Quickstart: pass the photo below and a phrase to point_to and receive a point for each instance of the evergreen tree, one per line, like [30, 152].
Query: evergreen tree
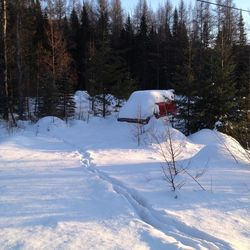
[221, 91]
[175, 47]
[153, 60]
[116, 14]
[166, 58]
[47, 53]
[202, 54]
[128, 45]
[239, 127]
[142, 44]
[74, 45]
[183, 75]
[107, 72]
[84, 42]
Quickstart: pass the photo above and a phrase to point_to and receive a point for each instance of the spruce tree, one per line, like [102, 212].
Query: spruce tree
[142, 44]
[166, 56]
[153, 60]
[183, 74]
[239, 127]
[107, 71]
[221, 100]
[74, 45]
[127, 44]
[84, 43]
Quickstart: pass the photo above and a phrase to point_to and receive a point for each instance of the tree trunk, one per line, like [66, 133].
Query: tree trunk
[19, 63]
[6, 112]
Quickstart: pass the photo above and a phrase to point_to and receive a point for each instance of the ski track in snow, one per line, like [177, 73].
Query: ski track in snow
[188, 236]
[48, 201]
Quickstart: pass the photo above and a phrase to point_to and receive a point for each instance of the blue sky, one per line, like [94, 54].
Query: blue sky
[130, 4]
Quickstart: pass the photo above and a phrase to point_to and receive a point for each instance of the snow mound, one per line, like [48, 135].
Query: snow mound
[162, 128]
[141, 104]
[208, 137]
[47, 123]
[219, 146]
[213, 154]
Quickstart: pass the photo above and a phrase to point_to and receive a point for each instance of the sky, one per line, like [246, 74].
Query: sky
[129, 5]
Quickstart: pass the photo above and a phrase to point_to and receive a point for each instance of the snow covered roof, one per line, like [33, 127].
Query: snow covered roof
[141, 104]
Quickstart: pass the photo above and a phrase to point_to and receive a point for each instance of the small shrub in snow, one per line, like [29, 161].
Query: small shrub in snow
[138, 129]
[170, 150]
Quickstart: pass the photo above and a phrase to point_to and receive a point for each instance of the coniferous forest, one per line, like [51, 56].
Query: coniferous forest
[49, 49]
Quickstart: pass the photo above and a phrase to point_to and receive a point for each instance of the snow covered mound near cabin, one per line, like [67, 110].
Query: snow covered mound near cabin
[219, 147]
[163, 129]
[159, 132]
[141, 104]
[47, 123]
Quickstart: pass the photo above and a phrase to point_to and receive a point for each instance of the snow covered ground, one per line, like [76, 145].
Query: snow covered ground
[87, 185]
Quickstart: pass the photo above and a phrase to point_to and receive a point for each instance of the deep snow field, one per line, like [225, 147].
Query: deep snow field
[88, 185]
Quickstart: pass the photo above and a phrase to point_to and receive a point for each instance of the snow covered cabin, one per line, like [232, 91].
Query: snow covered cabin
[144, 104]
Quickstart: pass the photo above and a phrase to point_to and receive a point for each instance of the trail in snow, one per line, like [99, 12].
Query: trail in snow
[114, 205]
[170, 226]
[188, 236]
[48, 201]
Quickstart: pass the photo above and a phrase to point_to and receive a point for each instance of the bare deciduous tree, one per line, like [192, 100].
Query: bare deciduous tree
[170, 150]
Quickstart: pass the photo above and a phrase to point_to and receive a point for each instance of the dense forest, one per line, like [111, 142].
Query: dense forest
[49, 49]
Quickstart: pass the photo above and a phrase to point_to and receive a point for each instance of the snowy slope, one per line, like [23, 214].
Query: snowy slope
[50, 201]
[89, 186]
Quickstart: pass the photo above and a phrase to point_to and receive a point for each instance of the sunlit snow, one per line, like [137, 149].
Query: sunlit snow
[88, 185]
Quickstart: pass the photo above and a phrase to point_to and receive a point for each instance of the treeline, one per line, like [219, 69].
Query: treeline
[49, 51]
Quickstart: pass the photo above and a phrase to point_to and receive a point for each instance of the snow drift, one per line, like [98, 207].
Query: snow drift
[219, 147]
[47, 123]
